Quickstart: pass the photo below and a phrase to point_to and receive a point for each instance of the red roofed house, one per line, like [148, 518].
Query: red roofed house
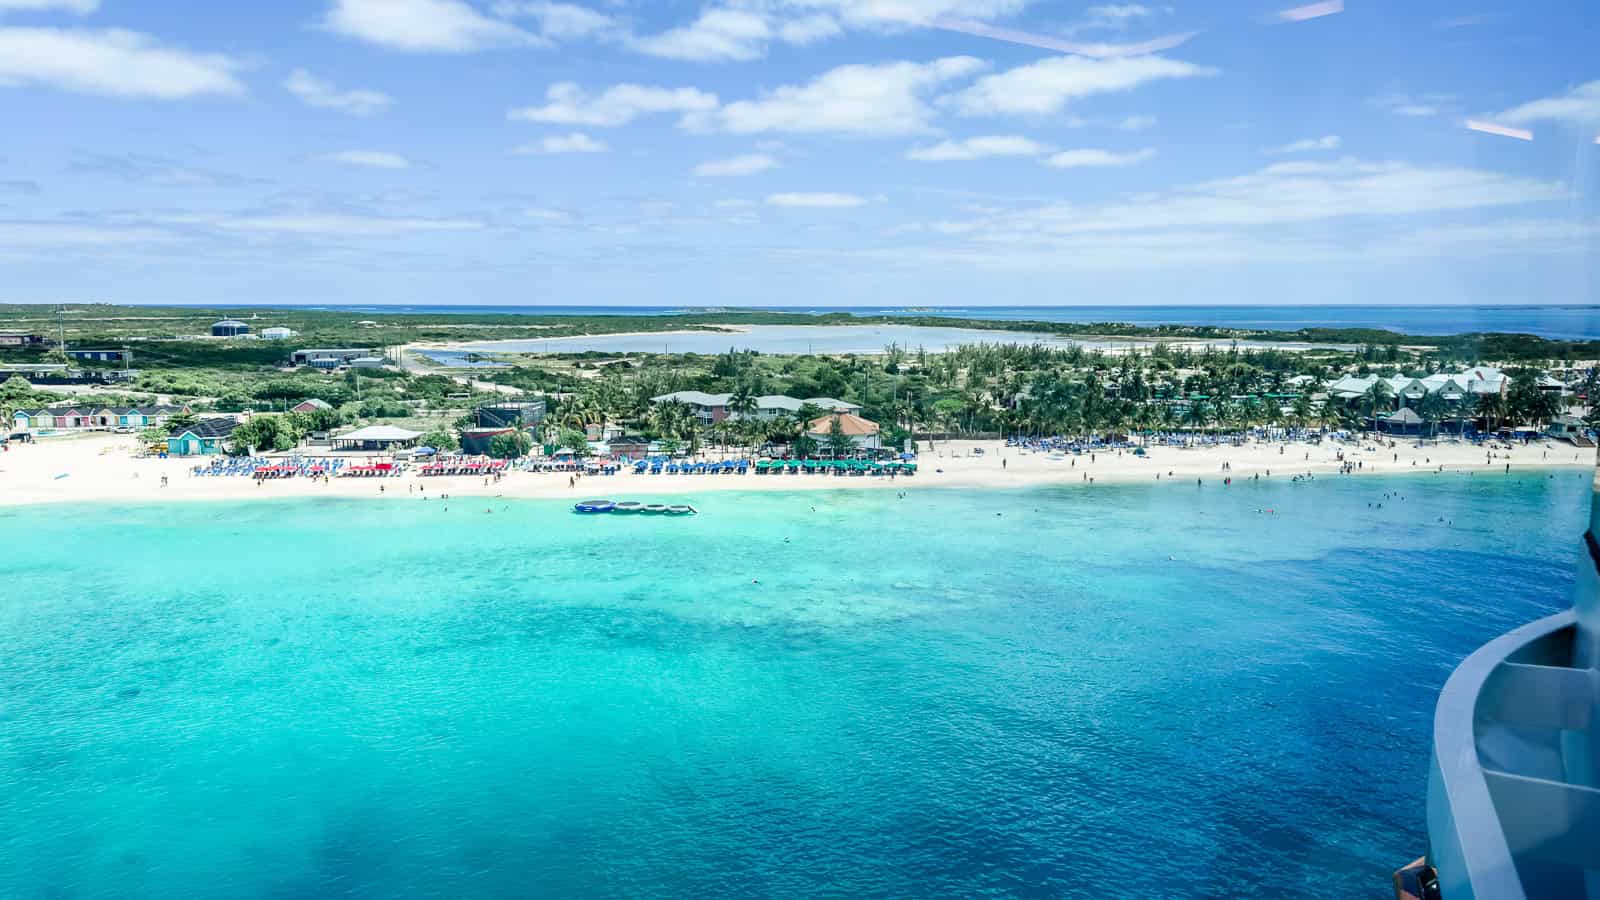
[862, 432]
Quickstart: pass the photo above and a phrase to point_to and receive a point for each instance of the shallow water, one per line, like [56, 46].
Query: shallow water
[1151, 685]
[1559, 321]
[810, 339]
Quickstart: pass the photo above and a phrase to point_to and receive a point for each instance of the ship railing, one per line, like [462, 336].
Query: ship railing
[1513, 813]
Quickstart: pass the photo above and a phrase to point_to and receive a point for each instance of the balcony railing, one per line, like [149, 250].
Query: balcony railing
[1514, 790]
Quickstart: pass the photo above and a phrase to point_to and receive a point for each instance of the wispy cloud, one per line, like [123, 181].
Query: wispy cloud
[1579, 106]
[749, 164]
[157, 170]
[81, 7]
[314, 91]
[861, 100]
[25, 233]
[112, 63]
[1308, 145]
[545, 214]
[1284, 193]
[1046, 87]
[560, 21]
[576, 142]
[19, 187]
[978, 148]
[816, 200]
[1311, 11]
[569, 104]
[719, 34]
[1415, 106]
[371, 159]
[424, 26]
[1092, 158]
[309, 222]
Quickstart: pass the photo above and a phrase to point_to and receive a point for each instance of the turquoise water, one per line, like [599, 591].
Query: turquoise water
[1101, 687]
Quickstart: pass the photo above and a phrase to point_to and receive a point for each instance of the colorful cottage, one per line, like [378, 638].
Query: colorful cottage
[207, 437]
[81, 418]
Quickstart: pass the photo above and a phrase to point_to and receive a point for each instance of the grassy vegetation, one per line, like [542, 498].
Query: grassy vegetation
[981, 388]
[110, 325]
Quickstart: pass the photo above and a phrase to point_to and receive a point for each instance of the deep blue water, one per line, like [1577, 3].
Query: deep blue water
[1552, 321]
[1140, 690]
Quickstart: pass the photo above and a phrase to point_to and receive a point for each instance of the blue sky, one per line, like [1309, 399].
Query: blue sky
[798, 152]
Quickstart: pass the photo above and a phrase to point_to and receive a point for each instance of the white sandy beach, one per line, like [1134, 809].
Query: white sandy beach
[100, 468]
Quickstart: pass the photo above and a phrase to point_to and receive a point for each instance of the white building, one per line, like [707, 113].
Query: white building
[278, 334]
[712, 408]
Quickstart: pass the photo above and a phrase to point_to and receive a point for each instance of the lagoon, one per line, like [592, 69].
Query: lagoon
[1053, 692]
[812, 339]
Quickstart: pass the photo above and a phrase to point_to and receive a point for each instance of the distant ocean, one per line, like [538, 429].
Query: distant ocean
[1550, 321]
[1154, 690]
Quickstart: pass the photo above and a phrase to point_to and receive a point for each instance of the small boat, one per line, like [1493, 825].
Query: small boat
[628, 506]
[655, 509]
[682, 509]
[591, 507]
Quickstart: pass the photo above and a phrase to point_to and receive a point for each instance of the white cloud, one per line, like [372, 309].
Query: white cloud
[1284, 193]
[816, 201]
[1579, 106]
[14, 234]
[809, 29]
[439, 26]
[734, 203]
[1421, 106]
[576, 142]
[978, 148]
[113, 63]
[372, 159]
[749, 164]
[347, 225]
[719, 34]
[880, 13]
[560, 21]
[1045, 87]
[1090, 158]
[863, 100]
[1308, 145]
[569, 104]
[312, 223]
[1137, 123]
[81, 7]
[316, 92]
[547, 215]
[740, 30]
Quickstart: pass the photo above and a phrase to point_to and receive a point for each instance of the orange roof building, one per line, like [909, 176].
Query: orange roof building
[863, 431]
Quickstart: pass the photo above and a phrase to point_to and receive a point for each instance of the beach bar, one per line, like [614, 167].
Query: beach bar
[376, 438]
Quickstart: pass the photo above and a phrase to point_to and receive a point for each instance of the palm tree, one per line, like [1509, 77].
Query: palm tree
[743, 402]
[1301, 411]
[1492, 408]
[1376, 400]
[1432, 409]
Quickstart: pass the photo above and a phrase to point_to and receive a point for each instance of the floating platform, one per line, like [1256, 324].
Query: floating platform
[629, 507]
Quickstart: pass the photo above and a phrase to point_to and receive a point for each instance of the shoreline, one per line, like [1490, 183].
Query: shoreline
[101, 469]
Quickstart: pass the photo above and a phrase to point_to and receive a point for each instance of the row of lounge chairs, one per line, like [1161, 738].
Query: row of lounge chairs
[463, 465]
[833, 467]
[253, 467]
[661, 466]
